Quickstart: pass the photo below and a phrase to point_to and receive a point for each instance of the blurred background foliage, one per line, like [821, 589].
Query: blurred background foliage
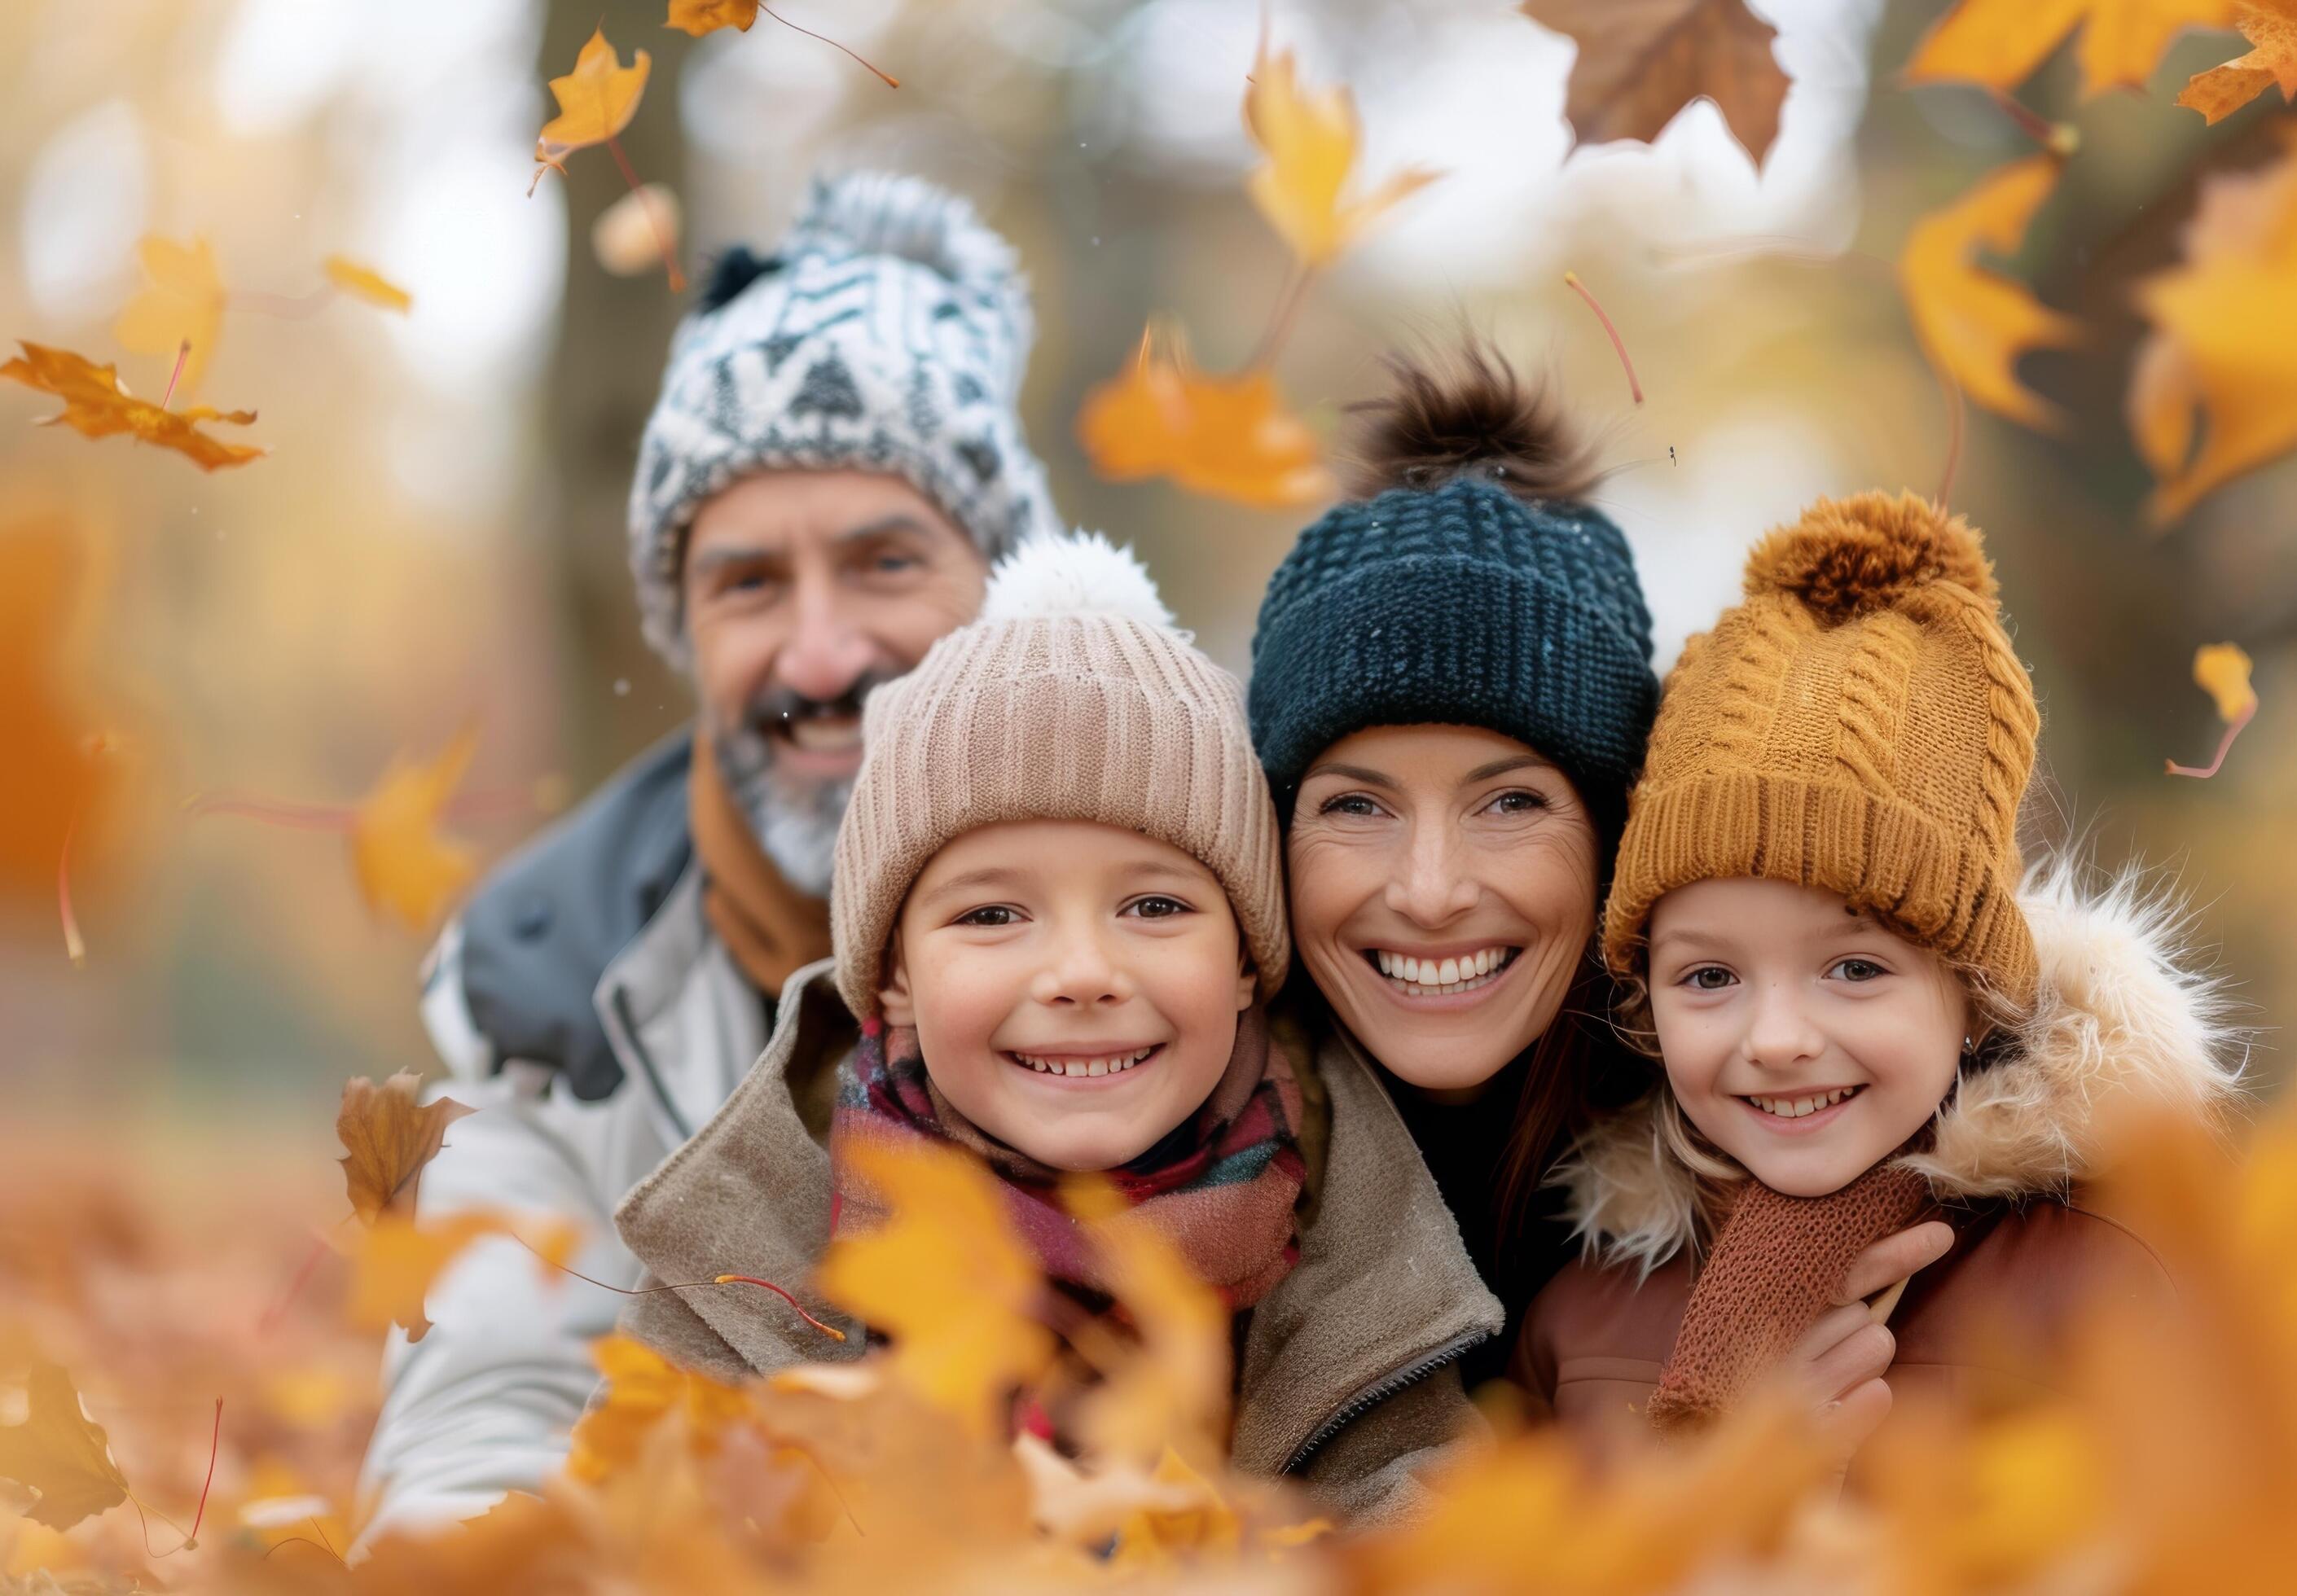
[435, 541]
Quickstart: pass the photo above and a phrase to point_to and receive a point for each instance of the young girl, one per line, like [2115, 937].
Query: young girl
[1864, 1014]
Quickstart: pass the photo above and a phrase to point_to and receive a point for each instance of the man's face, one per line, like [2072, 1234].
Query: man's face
[803, 590]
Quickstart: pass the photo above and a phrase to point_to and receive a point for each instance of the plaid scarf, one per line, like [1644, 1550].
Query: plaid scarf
[1221, 1190]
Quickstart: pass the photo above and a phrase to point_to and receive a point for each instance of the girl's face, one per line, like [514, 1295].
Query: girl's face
[1074, 987]
[1802, 1038]
[1443, 890]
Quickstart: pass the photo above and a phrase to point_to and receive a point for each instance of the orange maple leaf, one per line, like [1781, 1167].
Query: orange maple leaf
[403, 865]
[388, 1136]
[595, 102]
[1230, 437]
[1310, 137]
[2270, 27]
[60, 1452]
[365, 283]
[2225, 339]
[698, 17]
[181, 303]
[1638, 65]
[945, 1277]
[96, 406]
[395, 1262]
[1999, 43]
[54, 780]
[1974, 323]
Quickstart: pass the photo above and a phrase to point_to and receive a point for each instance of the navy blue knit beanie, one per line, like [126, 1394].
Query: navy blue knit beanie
[1483, 592]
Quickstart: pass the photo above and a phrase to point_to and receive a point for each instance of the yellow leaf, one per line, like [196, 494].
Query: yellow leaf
[395, 1261]
[698, 17]
[96, 406]
[2225, 339]
[364, 282]
[403, 865]
[1230, 438]
[2221, 669]
[2270, 27]
[388, 1136]
[595, 101]
[1999, 43]
[60, 1452]
[1310, 137]
[182, 302]
[1974, 323]
[945, 1278]
[1169, 1389]
[640, 1389]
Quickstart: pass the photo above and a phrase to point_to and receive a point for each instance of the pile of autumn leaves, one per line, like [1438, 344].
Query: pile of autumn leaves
[2160, 1461]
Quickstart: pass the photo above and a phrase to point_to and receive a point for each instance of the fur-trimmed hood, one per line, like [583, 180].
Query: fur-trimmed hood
[2119, 1014]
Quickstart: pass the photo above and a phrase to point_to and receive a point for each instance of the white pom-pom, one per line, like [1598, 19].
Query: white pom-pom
[1081, 575]
[891, 213]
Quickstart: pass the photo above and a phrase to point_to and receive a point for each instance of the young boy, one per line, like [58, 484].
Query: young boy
[1059, 908]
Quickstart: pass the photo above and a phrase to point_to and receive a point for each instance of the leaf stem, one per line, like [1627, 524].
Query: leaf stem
[2231, 730]
[182, 353]
[75, 949]
[1634, 387]
[1286, 309]
[830, 1331]
[889, 80]
[653, 220]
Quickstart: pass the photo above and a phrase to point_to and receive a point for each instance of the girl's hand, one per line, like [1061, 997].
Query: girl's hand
[1835, 1371]
[1893, 1258]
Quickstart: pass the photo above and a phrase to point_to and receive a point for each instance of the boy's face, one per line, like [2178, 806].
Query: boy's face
[1074, 987]
[1803, 1040]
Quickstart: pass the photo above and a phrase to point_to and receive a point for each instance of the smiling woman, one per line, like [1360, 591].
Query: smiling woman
[1451, 690]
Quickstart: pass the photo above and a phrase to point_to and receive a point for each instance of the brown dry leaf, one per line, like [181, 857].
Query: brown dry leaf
[60, 1452]
[388, 1136]
[1974, 322]
[1230, 437]
[595, 102]
[403, 865]
[2225, 339]
[365, 283]
[946, 1279]
[394, 1261]
[1310, 137]
[2000, 43]
[96, 406]
[1641, 64]
[182, 302]
[698, 17]
[2270, 27]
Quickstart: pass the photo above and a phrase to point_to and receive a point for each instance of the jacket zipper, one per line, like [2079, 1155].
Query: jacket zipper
[1378, 1392]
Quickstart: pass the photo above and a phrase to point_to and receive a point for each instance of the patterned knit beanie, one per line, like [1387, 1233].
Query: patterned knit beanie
[1071, 698]
[1859, 723]
[1478, 589]
[887, 332]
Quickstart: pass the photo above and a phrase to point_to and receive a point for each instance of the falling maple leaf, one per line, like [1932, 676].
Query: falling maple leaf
[56, 781]
[388, 1135]
[365, 283]
[698, 17]
[2000, 43]
[2270, 27]
[395, 1261]
[1168, 1386]
[2221, 669]
[595, 101]
[1974, 322]
[1640, 64]
[1231, 438]
[181, 303]
[945, 1277]
[637, 1388]
[60, 1452]
[96, 406]
[1310, 137]
[2225, 339]
[403, 865]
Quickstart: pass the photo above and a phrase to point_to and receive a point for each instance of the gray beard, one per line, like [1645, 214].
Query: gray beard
[797, 826]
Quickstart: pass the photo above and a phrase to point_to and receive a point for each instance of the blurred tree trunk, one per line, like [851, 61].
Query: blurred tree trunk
[613, 335]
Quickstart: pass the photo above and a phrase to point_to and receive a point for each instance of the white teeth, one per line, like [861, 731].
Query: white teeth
[1083, 1067]
[1440, 978]
[1449, 975]
[1796, 1107]
[831, 734]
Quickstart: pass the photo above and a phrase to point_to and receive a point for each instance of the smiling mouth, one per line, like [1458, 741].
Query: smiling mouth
[1798, 1107]
[821, 734]
[1074, 1064]
[1417, 977]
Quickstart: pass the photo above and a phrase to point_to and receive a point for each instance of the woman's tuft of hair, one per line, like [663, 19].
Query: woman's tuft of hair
[1465, 411]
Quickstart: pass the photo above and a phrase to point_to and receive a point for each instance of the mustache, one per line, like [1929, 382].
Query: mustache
[779, 707]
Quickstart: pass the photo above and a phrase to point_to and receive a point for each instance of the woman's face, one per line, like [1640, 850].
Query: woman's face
[1443, 882]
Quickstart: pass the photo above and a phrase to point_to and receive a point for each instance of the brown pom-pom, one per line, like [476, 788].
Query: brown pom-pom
[1468, 414]
[1849, 557]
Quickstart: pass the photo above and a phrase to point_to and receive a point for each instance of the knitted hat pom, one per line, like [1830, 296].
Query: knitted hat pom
[1842, 561]
[1085, 574]
[1470, 417]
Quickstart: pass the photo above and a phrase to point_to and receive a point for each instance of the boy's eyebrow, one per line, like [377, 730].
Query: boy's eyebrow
[988, 876]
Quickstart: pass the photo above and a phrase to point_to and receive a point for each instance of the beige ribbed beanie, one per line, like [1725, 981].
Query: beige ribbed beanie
[1071, 698]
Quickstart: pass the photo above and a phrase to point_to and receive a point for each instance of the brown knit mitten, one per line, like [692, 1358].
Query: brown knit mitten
[1773, 1270]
